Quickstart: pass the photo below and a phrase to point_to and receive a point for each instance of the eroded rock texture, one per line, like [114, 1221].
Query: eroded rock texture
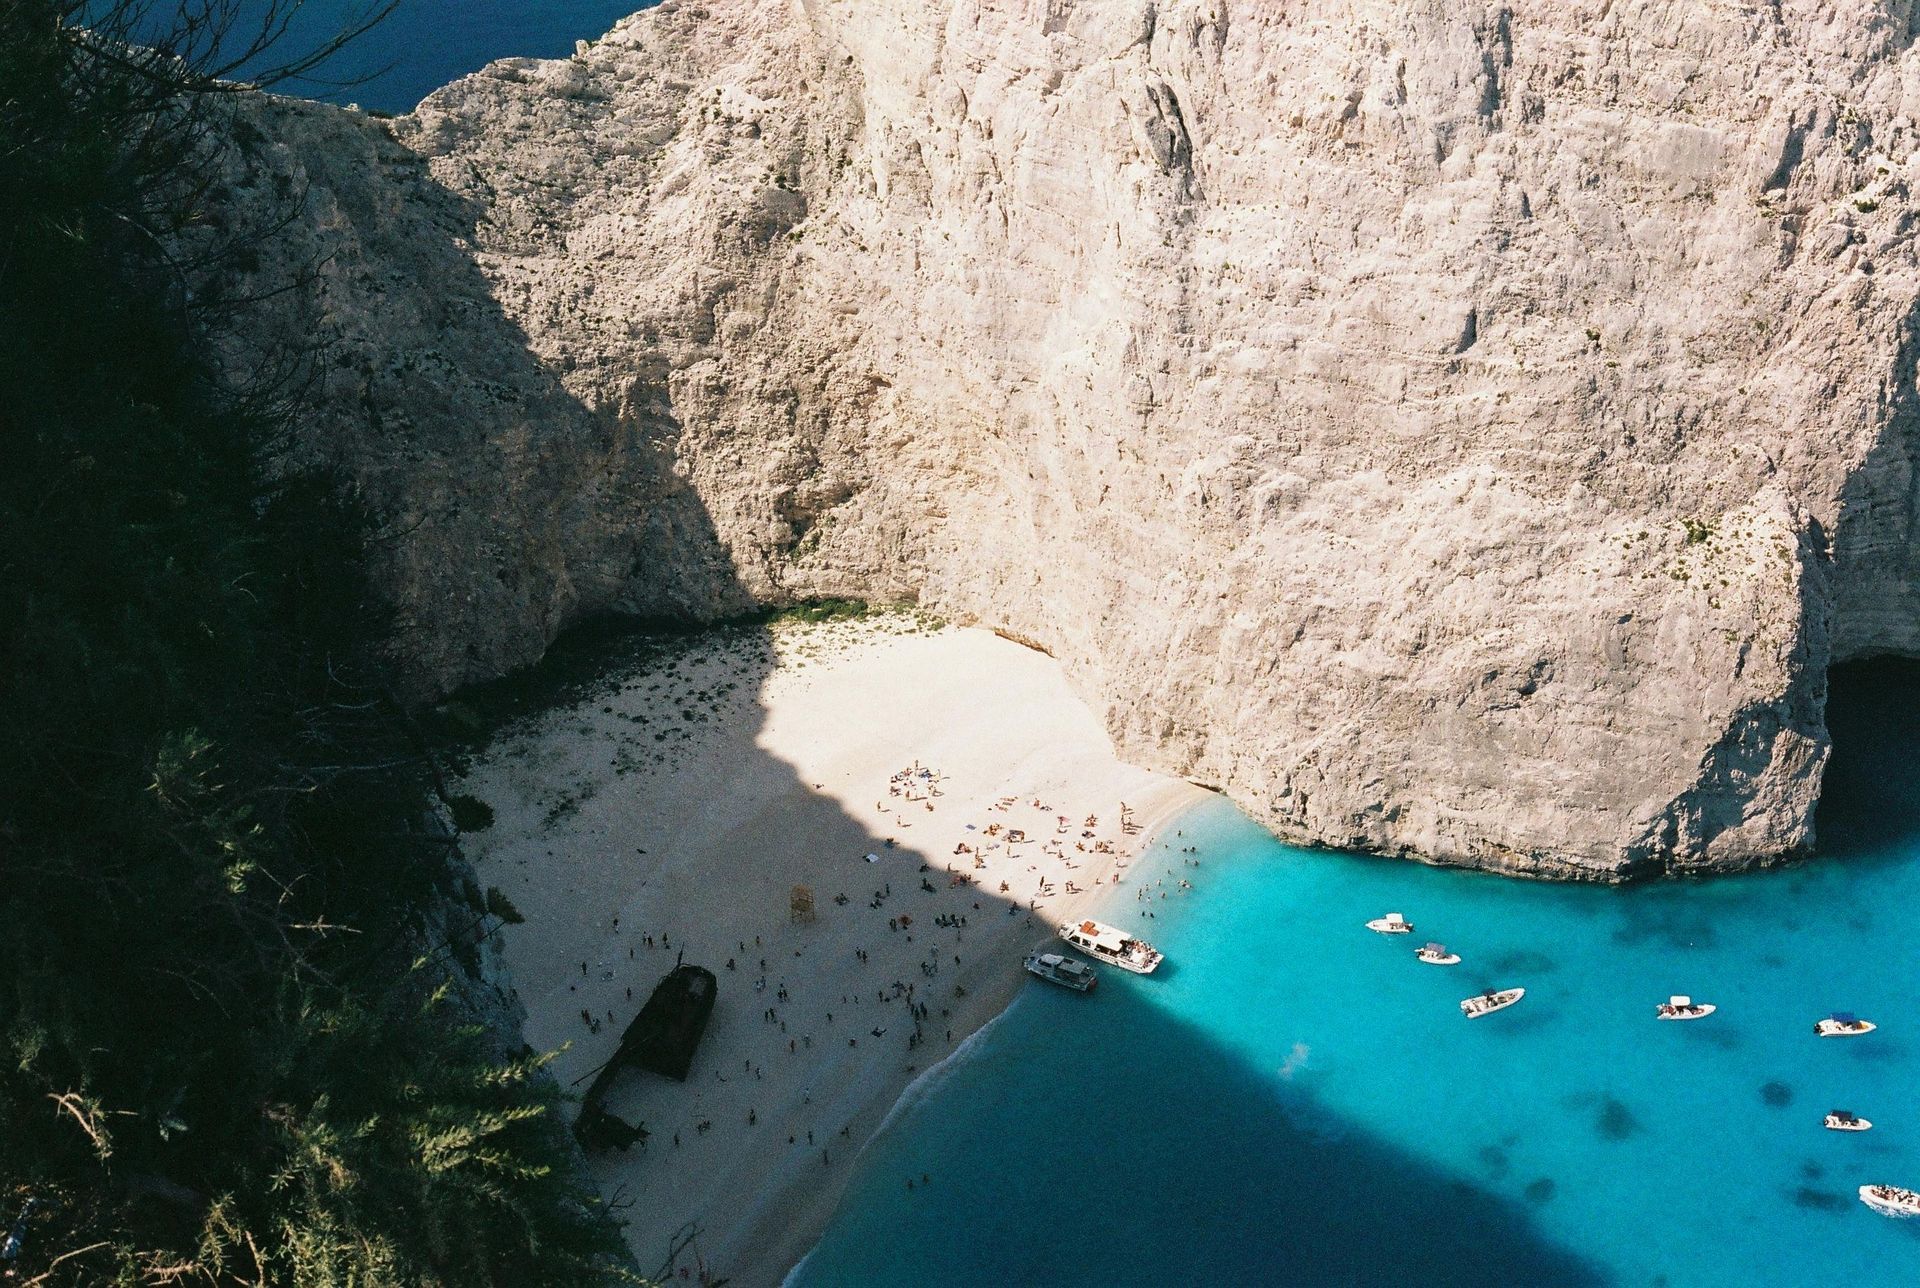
[1462, 429]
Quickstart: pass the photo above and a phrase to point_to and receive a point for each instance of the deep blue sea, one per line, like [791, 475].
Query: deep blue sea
[1294, 1100]
[424, 44]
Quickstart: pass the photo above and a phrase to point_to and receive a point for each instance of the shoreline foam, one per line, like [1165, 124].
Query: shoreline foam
[923, 1085]
[929, 1080]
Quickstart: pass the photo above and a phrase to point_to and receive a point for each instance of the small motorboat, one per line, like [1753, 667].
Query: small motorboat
[1843, 1024]
[1681, 1007]
[1391, 924]
[1890, 1200]
[1067, 972]
[1494, 999]
[1436, 955]
[1846, 1120]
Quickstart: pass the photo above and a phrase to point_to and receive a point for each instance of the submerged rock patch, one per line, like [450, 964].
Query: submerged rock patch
[1819, 1200]
[1615, 1121]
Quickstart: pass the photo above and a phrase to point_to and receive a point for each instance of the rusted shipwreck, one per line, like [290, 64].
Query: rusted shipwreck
[663, 1039]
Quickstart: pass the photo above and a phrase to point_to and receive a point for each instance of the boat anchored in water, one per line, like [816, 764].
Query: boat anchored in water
[1057, 968]
[1843, 1024]
[1890, 1200]
[1494, 999]
[1436, 955]
[1846, 1120]
[1682, 1007]
[1391, 924]
[1116, 947]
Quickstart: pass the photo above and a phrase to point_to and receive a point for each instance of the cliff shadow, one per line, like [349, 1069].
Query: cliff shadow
[505, 506]
[1870, 793]
[1875, 537]
[1196, 1167]
[638, 817]
[1870, 799]
[627, 844]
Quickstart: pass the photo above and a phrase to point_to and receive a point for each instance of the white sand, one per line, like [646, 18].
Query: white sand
[697, 836]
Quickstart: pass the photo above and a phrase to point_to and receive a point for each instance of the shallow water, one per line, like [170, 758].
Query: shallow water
[1295, 1100]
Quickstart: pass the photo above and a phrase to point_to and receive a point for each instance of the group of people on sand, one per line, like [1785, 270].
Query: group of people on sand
[905, 1010]
[915, 785]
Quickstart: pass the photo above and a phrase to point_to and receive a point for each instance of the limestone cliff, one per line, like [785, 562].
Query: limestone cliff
[1461, 429]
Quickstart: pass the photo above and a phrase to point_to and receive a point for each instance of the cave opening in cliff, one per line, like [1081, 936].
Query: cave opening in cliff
[1870, 799]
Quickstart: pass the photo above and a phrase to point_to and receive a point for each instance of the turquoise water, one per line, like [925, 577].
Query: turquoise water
[1296, 1100]
[426, 43]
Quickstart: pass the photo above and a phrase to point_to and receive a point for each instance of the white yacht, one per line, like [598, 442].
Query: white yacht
[1116, 947]
[1437, 955]
[1843, 1024]
[1067, 972]
[1891, 1200]
[1391, 924]
[1846, 1120]
[1682, 1007]
[1494, 999]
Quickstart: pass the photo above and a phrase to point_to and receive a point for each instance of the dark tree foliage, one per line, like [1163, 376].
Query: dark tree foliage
[226, 1051]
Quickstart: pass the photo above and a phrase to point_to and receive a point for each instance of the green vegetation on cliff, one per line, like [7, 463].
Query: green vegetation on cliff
[230, 1051]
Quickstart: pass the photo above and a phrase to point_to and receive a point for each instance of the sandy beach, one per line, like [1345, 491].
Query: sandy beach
[675, 811]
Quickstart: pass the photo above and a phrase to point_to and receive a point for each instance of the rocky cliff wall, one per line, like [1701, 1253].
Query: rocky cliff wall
[1459, 429]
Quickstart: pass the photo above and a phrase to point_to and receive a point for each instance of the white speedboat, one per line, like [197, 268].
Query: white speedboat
[1437, 955]
[1845, 1120]
[1067, 972]
[1681, 1007]
[1843, 1024]
[1391, 924]
[1116, 947]
[1891, 1200]
[1494, 999]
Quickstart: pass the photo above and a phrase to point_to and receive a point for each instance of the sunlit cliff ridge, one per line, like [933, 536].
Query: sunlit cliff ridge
[1466, 430]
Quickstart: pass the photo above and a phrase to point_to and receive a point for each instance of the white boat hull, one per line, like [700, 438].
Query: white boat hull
[1699, 1012]
[1898, 1203]
[1451, 959]
[1858, 1124]
[1475, 1007]
[1142, 959]
[1120, 964]
[1828, 1029]
[1082, 984]
[1381, 926]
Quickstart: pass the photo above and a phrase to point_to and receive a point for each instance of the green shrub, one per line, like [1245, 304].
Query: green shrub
[221, 1063]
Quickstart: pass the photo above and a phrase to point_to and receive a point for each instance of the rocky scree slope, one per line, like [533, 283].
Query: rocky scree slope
[1458, 429]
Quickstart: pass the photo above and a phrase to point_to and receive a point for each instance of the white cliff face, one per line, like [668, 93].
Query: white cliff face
[1459, 429]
